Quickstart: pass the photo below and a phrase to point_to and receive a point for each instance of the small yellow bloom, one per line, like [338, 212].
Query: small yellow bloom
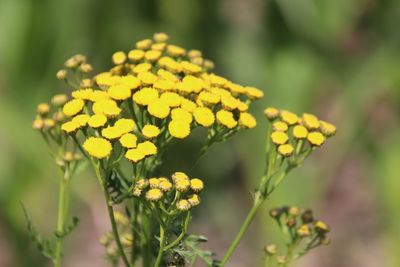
[166, 75]
[229, 102]
[119, 92]
[303, 230]
[154, 194]
[97, 120]
[218, 80]
[136, 55]
[165, 185]
[194, 53]
[84, 94]
[204, 116]
[300, 132]
[196, 184]
[134, 155]
[121, 218]
[289, 117]
[152, 55]
[183, 205]
[144, 44]
[175, 50]
[119, 58]
[43, 109]
[147, 77]
[107, 107]
[191, 84]
[279, 138]
[73, 107]
[49, 123]
[254, 93]
[59, 99]
[111, 133]
[142, 184]
[148, 148]
[142, 67]
[130, 81]
[225, 118]
[182, 185]
[98, 95]
[172, 99]
[176, 176]
[188, 105]
[145, 96]
[164, 85]
[179, 128]
[285, 150]
[150, 131]
[69, 127]
[128, 140]
[136, 191]
[160, 37]
[310, 121]
[247, 120]
[209, 98]
[97, 147]
[181, 114]
[125, 125]
[158, 46]
[81, 119]
[320, 226]
[190, 68]
[154, 182]
[316, 138]
[280, 126]
[327, 128]
[158, 109]
[38, 124]
[194, 200]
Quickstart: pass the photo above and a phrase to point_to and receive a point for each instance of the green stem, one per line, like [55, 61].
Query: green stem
[181, 235]
[161, 249]
[62, 216]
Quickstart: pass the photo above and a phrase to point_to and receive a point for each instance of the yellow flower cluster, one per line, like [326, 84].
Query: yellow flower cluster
[295, 134]
[157, 91]
[180, 193]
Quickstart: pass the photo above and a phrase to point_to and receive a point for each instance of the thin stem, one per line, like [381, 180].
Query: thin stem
[181, 235]
[161, 249]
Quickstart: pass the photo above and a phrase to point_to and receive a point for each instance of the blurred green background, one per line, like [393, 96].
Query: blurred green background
[338, 59]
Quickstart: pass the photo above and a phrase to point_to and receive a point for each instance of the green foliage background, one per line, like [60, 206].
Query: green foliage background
[338, 59]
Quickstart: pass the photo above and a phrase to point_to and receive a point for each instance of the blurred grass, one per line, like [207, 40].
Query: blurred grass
[339, 59]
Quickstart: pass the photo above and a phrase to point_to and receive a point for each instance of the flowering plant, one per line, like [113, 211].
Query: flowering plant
[122, 120]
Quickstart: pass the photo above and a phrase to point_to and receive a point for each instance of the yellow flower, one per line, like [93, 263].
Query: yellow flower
[204, 116]
[280, 126]
[188, 105]
[107, 107]
[136, 55]
[97, 147]
[158, 109]
[147, 77]
[148, 148]
[289, 117]
[175, 50]
[181, 114]
[164, 85]
[176, 176]
[172, 99]
[142, 184]
[327, 128]
[190, 67]
[192, 84]
[179, 128]
[279, 138]
[142, 67]
[247, 120]
[158, 46]
[59, 100]
[166, 75]
[73, 107]
[217, 80]
[145, 96]
[152, 55]
[165, 185]
[119, 92]
[182, 185]
[150, 131]
[84, 94]
[226, 118]
[121, 218]
[154, 194]
[209, 98]
[111, 133]
[196, 184]
[310, 121]
[229, 102]
[125, 125]
[128, 140]
[194, 53]
[254, 93]
[160, 37]
[104, 79]
[144, 44]
[43, 109]
[97, 120]
[81, 119]
[38, 124]
[130, 81]
[119, 58]
[300, 132]
[154, 182]
[98, 95]
[134, 155]
[286, 150]
[49, 123]
[69, 127]
[316, 138]
[170, 64]
[194, 200]
[183, 205]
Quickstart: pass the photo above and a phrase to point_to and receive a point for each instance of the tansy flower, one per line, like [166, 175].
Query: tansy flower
[181, 114]
[38, 124]
[104, 79]
[119, 92]
[196, 184]
[194, 200]
[217, 80]
[150, 131]
[280, 126]
[254, 93]
[154, 194]
[121, 218]
[49, 123]
[154, 182]
[160, 37]
[128, 140]
[145, 96]
[303, 230]
[285, 150]
[190, 68]
[229, 102]
[176, 176]
[209, 98]
[170, 64]
[69, 127]
[194, 53]
[81, 119]
[188, 105]
[279, 138]
[73, 107]
[310, 121]
[136, 55]
[183, 205]
[136, 192]
[84, 94]
[144, 44]
[166, 75]
[43, 109]
[247, 120]
[125, 125]
[316, 138]
[109, 108]
[158, 109]
[327, 128]
[175, 50]
[147, 77]
[142, 184]
[111, 133]
[164, 85]
[158, 46]
[204, 116]
[142, 67]
[148, 148]
[98, 95]
[59, 100]
[165, 185]
[192, 84]
[119, 58]
[97, 120]
[134, 155]
[97, 147]
[179, 128]
[300, 132]
[172, 99]
[182, 185]
[152, 55]
[226, 118]
[289, 117]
